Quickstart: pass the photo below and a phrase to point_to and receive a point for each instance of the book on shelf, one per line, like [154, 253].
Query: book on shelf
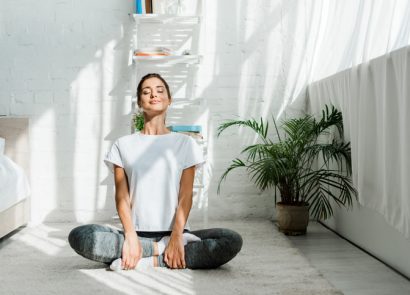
[167, 7]
[138, 6]
[153, 51]
[191, 130]
[186, 128]
[148, 6]
[143, 6]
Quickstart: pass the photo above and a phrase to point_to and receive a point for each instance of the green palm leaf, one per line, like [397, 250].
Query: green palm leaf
[260, 128]
[288, 162]
[236, 163]
[322, 184]
[339, 152]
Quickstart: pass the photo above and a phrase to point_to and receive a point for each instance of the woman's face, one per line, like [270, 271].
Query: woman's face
[154, 96]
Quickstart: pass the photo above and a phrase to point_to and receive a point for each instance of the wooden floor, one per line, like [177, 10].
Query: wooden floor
[346, 266]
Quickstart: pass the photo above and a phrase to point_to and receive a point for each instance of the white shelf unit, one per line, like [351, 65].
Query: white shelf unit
[169, 59]
[166, 19]
[169, 20]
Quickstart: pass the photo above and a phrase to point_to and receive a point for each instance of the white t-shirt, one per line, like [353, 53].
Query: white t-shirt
[153, 165]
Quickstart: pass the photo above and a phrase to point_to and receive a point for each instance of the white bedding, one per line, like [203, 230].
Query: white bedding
[14, 185]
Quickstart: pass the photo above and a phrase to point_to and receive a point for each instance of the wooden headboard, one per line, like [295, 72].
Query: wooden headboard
[15, 130]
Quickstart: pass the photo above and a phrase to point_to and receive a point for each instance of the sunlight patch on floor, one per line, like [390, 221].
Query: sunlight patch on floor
[158, 280]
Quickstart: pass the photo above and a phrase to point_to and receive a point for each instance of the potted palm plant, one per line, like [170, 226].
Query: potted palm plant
[307, 171]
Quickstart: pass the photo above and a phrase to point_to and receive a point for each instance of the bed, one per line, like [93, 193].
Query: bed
[14, 167]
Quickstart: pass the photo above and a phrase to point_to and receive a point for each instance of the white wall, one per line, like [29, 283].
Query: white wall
[65, 65]
[66, 68]
[253, 66]
[369, 230]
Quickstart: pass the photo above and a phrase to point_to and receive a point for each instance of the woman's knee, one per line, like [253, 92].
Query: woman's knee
[75, 235]
[227, 239]
[230, 243]
[79, 233]
[96, 242]
[235, 241]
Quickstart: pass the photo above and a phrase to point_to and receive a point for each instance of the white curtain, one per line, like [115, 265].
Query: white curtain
[330, 36]
[342, 34]
[375, 100]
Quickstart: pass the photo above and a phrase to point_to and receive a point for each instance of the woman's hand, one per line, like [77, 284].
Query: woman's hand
[174, 255]
[131, 251]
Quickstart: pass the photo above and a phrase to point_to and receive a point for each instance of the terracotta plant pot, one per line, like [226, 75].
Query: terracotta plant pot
[292, 219]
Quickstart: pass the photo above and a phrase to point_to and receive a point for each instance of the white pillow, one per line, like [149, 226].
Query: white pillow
[2, 145]
[14, 185]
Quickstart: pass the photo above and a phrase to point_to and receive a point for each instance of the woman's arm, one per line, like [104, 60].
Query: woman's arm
[131, 250]
[174, 255]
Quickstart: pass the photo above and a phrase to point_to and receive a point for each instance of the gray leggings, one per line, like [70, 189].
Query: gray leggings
[104, 244]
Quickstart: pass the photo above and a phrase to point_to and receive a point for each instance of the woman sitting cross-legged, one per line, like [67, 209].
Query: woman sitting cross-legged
[154, 173]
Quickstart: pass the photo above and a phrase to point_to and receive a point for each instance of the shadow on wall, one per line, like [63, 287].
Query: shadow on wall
[244, 76]
[65, 62]
[97, 103]
[260, 60]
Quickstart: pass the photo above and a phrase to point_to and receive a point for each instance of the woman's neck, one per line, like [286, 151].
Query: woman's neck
[154, 131]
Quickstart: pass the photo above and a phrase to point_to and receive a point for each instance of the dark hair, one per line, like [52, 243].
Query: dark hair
[148, 76]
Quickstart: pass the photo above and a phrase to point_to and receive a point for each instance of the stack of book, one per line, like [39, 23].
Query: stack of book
[171, 7]
[143, 6]
[164, 6]
[153, 51]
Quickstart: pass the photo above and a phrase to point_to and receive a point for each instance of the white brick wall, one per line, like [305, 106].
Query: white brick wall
[64, 65]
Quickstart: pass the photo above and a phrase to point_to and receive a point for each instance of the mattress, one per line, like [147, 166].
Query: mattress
[14, 186]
